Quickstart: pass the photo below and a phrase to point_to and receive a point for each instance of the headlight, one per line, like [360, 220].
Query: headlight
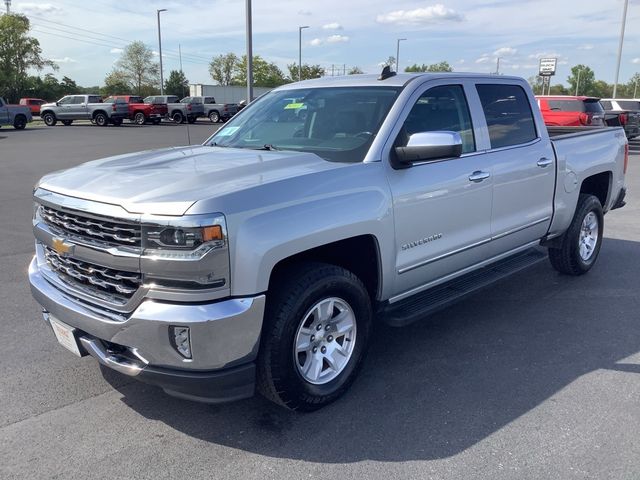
[189, 237]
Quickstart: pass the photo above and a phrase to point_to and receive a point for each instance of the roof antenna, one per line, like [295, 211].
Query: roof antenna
[386, 73]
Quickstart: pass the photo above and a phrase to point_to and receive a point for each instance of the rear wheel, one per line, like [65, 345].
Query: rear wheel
[20, 122]
[177, 117]
[101, 119]
[66, 123]
[315, 337]
[139, 118]
[581, 242]
[214, 116]
[49, 119]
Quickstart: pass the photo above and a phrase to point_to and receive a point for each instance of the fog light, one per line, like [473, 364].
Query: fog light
[181, 340]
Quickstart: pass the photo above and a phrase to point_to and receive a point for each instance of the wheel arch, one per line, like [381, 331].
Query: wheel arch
[598, 185]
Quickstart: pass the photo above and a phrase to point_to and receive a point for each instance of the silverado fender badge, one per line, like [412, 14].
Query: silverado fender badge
[422, 241]
[62, 247]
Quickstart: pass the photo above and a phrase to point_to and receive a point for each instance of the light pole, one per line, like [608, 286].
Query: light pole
[578, 81]
[635, 89]
[249, 53]
[160, 50]
[497, 65]
[8, 5]
[398, 53]
[624, 21]
[300, 50]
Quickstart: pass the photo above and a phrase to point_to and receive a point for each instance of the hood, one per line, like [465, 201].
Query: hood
[169, 181]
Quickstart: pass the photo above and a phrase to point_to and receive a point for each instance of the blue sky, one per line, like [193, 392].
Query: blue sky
[85, 37]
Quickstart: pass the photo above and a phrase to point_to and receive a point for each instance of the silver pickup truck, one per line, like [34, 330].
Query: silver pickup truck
[215, 112]
[84, 107]
[265, 256]
[16, 115]
[178, 111]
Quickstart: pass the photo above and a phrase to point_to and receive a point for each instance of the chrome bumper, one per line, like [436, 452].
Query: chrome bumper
[223, 334]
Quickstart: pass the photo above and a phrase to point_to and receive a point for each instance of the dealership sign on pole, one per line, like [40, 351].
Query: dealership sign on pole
[547, 70]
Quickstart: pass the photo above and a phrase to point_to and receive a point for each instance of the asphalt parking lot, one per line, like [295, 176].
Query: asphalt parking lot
[537, 377]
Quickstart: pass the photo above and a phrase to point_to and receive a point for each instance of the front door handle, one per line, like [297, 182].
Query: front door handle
[479, 176]
[544, 162]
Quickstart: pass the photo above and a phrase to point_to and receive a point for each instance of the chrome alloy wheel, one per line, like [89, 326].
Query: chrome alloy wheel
[325, 341]
[588, 236]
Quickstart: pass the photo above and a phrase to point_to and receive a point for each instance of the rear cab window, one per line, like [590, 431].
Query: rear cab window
[508, 114]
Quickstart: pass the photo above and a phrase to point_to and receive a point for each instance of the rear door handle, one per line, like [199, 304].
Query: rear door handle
[544, 162]
[479, 176]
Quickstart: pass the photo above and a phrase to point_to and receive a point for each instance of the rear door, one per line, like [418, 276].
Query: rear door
[78, 108]
[442, 208]
[4, 113]
[523, 167]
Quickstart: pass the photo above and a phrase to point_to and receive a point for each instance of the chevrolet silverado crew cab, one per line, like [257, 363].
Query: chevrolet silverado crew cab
[181, 111]
[264, 257]
[84, 107]
[16, 115]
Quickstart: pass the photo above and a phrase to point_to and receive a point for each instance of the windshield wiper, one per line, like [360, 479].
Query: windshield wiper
[268, 146]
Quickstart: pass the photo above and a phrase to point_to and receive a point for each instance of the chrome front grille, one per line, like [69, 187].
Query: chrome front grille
[105, 230]
[106, 283]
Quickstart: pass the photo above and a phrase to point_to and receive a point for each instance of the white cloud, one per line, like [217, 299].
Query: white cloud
[155, 54]
[420, 16]
[36, 8]
[545, 55]
[587, 46]
[315, 42]
[332, 26]
[337, 39]
[484, 58]
[635, 60]
[461, 61]
[116, 50]
[505, 52]
[64, 60]
[306, 13]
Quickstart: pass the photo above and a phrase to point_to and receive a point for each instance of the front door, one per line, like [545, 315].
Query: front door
[442, 208]
[65, 107]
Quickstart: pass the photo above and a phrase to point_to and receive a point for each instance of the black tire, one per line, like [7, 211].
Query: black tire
[177, 117]
[49, 119]
[156, 121]
[117, 121]
[300, 288]
[20, 122]
[567, 258]
[139, 118]
[214, 116]
[101, 119]
[66, 123]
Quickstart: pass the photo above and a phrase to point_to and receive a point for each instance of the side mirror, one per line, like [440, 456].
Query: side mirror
[425, 146]
[57, 104]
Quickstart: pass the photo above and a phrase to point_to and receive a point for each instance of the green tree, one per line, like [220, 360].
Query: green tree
[115, 83]
[390, 62]
[265, 74]
[176, 84]
[138, 68]
[18, 54]
[354, 71]
[69, 86]
[559, 89]
[434, 67]
[633, 86]
[307, 71]
[587, 80]
[224, 68]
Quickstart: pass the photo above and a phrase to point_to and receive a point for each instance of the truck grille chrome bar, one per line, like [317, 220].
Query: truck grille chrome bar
[110, 231]
[113, 282]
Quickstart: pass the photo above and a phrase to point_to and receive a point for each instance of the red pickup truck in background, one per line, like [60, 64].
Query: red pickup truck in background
[33, 104]
[571, 111]
[140, 112]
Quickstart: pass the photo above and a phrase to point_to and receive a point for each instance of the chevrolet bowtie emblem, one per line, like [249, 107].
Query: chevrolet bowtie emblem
[60, 246]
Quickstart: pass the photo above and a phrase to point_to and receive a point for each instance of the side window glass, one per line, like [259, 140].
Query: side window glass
[77, 100]
[66, 100]
[441, 108]
[508, 114]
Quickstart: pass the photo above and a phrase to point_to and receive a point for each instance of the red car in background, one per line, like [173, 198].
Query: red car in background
[33, 104]
[571, 111]
[140, 112]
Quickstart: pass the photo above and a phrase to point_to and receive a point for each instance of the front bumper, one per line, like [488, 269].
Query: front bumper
[225, 337]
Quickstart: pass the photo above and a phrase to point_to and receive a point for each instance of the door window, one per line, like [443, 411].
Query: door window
[441, 108]
[508, 114]
[78, 100]
[66, 100]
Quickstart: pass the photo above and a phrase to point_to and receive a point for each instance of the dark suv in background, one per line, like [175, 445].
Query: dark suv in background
[623, 113]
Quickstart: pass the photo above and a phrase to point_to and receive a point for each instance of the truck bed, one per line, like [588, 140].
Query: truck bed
[557, 133]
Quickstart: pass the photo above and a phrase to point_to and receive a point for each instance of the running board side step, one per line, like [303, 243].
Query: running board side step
[425, 303]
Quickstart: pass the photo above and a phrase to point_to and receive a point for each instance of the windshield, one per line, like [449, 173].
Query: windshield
[338, 124]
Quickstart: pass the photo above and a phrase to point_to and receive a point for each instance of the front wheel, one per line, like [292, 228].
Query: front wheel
[177, 117]
[49, 119]
[214, 117]
[581, 242]
[139, 118]
[315, 337]
[20, 122]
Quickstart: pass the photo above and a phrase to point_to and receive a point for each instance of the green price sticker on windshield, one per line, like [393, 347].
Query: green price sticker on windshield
[294, 106]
